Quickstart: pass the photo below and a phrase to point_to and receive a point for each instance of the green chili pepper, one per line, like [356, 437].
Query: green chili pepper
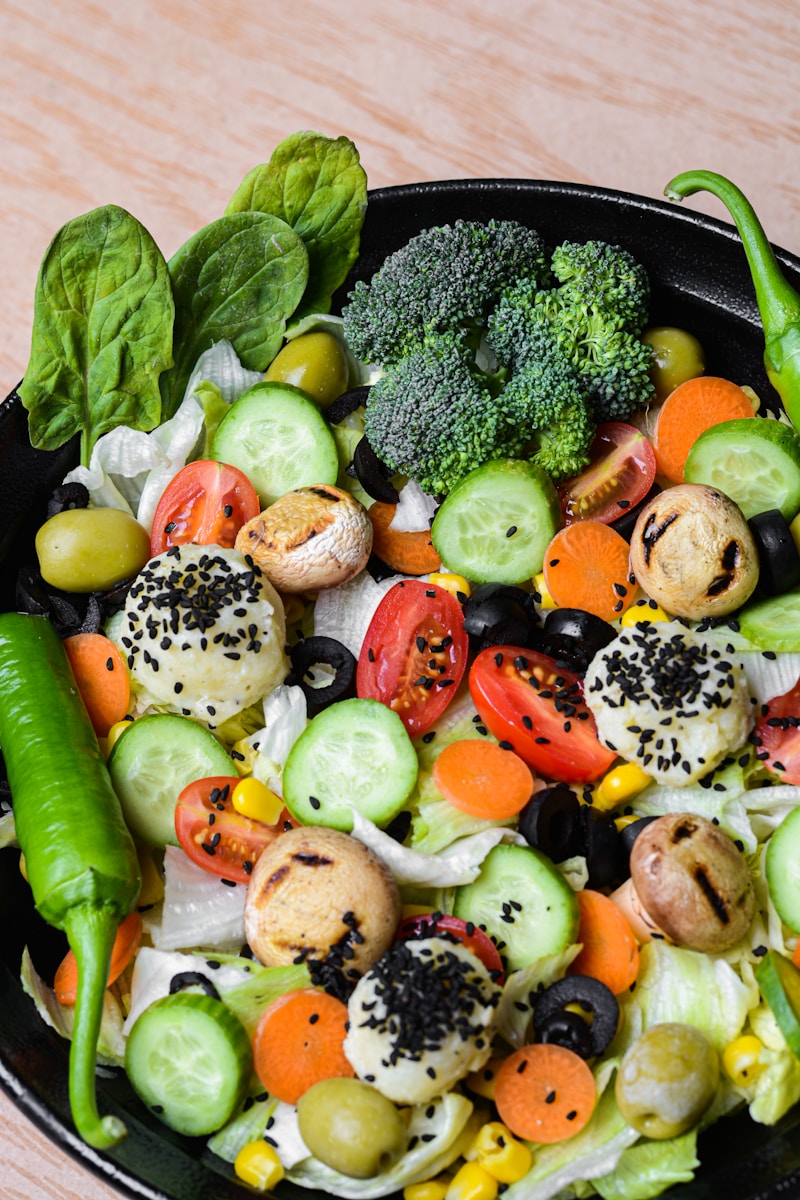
[80, 859]
[778, 302]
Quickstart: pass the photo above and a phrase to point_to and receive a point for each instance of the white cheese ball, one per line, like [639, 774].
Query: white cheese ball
[204, 632]
[421, 1019]
[669, 700]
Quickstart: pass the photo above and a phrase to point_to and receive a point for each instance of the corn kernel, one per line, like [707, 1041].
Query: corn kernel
[152, 890]
[472, 1182]
[741, 1060]
[624, 821]
[482, 1081]
[619, 785]
[545, 599]
[456, 585]
[431, 1189]
[501, 1154]
[115, 733]
[259, 1165]
[244, 756]
[643, 610]
[255, 800]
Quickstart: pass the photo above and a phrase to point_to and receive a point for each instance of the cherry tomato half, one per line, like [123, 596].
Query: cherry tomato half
[414, 653]
[215, 836]
[528, 701]
[435, 924]
[206, 502]
[777, 735]
[621, 471]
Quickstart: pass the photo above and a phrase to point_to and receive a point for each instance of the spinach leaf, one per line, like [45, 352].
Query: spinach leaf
[102, 332]
[239, 278]
[318, 186]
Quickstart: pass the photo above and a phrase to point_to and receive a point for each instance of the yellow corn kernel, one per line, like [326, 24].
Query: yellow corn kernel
[244, 756]
[501, 1154]
[619, 785]
[293, 608]
[456, 585]
[545, 599]
[472, 1182]
[642, 610]
[255, 800]
[622, 822]
[152, 891]
[741, 1060]
[482, 1081]
[258, 1164]
[115, 733]
[431, 1189]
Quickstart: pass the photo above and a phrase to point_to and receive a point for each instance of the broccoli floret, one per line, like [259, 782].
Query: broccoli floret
[445, 279]
[605, 279]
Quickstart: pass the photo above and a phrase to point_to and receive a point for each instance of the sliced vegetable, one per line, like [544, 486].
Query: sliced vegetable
[483, 779]
[411, 552]
[587, 566]
[591, 996]
[206, 502]
[777, 736]
[126, 943]
[215, 835]
[779, 980]
[782, 865]
[545, 1093]
[622, 467]
[101, 674]
[426, 925]
[299, 1041]
[778, 556]
[609, 951]
[690, 410]
[754, 460]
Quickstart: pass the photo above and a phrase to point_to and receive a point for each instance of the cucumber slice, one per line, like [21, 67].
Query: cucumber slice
[151, 764]
[354, 755]
[497, 522]
[773, 624]
[189, 1060]
[754, 460]
[276, 434]
[782, 868]
[779, 980]
[523, 902]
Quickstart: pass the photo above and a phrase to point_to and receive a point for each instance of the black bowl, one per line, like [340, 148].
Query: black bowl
[700, 282]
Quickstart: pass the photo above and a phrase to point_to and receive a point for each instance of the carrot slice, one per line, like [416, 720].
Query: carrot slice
[411, 553]
[610, 951]
[587, 566]
[101, 674]
[483, 779]
[126, 943]
[691, 409]
[298, 1041]
[796, 955]
[545, 1093]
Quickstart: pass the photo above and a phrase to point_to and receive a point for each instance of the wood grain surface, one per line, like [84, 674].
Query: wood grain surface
[163, 107]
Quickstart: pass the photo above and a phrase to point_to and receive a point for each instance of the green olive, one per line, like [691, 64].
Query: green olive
[314, 362]
[91, 549]
[678, 356]
[667, 1080]
[351, 1127]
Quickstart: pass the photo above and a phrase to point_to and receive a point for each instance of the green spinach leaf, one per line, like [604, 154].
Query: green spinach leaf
[318, 186]
[239, 278]
[102, 332]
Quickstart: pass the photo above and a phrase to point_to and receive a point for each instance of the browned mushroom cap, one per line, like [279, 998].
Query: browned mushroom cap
[693, 882]
[315, 891]
[692, 552]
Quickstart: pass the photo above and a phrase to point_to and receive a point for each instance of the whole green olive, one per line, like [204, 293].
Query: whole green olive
[314, 362]
[91, 549]
[667, 1080]
[677, 356]
[351, 1127]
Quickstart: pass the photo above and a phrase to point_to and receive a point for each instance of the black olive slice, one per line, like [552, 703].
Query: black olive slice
[624, 525]
[186, 979]
[373, 475]
[345, 404]
[573, 636]
[601, 847]
[317, 652]
[629, 833]
[567, 1029]
[496, 614]
[592, 996]
[551, 822]
[67, 496]
[778, 558]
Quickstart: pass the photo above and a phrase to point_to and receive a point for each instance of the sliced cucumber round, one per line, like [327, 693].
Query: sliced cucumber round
[782, 869]
[354, 755]
[189, 1060]
[754, 460]
[151, 764]
[773, 624]
[497, 522]
[277, 435]
[779, 980]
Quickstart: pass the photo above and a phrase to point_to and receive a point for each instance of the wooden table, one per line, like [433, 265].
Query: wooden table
[163, 108]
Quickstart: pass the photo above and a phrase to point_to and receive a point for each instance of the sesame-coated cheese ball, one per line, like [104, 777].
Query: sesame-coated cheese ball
[204, 632]
[669, 700]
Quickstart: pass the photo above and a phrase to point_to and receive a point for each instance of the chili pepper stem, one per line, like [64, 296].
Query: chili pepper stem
[90, 929]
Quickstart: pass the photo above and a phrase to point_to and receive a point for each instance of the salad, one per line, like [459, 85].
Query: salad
[430, 804]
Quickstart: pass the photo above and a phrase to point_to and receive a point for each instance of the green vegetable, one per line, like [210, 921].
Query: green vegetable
[774, 623]
[779, 980]
[753, 460]
[80, 858]
[91, 549]
[318, 186]
[782, 869]
[351, 1127]
[102, 332]
[778, 302]
[239, 278]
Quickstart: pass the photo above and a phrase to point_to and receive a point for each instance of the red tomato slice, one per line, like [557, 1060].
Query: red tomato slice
[619, 475]
[528, 702]
[777, 735]
[206, 502]
[215, 836]
[433, 924]
[414, 653]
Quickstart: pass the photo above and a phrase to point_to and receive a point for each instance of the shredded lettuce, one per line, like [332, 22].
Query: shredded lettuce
[199, 909]
[649, 1168]
[61, 1017]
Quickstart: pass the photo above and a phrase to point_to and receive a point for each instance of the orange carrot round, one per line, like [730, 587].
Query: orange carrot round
[691, 409]
[610, 951]
[587, 566]
[298, 1042]
[411, 553]
[126, 943]
[101, 674]
[545, 1093]
[483, 779]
